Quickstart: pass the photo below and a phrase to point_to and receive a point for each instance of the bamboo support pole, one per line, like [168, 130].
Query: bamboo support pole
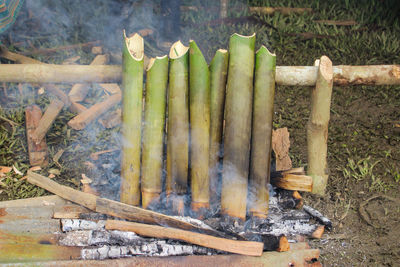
[285, 75]
[238, 109]
[199, 128]
[263, 112]
[79, 91]
[218, 75]
[178, 124]
[317, 127]
[132, 83]
[154, 117]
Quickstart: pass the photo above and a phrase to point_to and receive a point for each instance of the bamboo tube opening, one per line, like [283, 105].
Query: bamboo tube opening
[135, 45]
[244, 36]
[177, 50]
[264, 48]
[152, 60]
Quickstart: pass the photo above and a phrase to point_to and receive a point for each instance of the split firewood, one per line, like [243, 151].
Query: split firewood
[77, 108]
[38, 152]
[282, 10]
[280, 146]
[240, 247]
[47, 120]
[111, 119]
[86, 181]
[69, 212]
[293, 182]
[318, 232]
[56, 49]
[111, 88]
[5, 169]
[80, 121]
[79, 91]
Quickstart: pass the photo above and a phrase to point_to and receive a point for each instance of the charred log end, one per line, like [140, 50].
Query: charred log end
[283, 244]
[299, 200]
[318, 232]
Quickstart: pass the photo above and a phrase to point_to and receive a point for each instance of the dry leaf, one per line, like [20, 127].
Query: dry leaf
[35, 168]
[16, 170]
[85, 179]
[5, 169]
[51, 176]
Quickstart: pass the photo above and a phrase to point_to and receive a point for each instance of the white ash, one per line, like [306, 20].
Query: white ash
[78, 224]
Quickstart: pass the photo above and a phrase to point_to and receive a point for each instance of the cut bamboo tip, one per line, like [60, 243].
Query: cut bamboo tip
[325, 68]
[153, 60]
[221, 50]
[243, 36]
[135, 45]
[264, 48]
[177, 50]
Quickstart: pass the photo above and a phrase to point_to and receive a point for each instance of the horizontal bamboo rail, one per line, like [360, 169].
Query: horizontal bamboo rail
[285, 75]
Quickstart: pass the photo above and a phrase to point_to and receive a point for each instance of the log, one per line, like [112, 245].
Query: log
[79, 91]
[280, 146]
[47, 120]
[317, 127]
[77, 108]
[343, 75]
[153, 132]
[38, 153]
[199, 129]
[261, 140]
[293, 182]
[283, 10]
[85, 117]
[218, 75]
[132, 83]
[318, 215]
[250, 248]
[238, 109]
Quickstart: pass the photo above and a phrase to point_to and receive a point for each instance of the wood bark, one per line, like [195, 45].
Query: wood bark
[263, 112]
[317, 127]
[238, 109]
[240, 247]
[132, 83]
[199, 129]
[38, 152]
[343, 75]
[153, 133]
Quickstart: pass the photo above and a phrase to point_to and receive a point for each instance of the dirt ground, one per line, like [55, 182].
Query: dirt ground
[364, 130]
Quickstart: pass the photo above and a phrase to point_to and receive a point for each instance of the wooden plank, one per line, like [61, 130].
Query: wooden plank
[239, 247]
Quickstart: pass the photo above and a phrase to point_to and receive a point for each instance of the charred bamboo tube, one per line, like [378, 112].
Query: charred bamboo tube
[178, 123]
[218, 74]
[154, 116]
[317, 127]
[238, 109]
[132, 82]
[285, 75]
[263, 111]
[199, 128]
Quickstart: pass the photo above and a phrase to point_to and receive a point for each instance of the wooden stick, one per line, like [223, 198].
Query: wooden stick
[79, 91]
[47, 120]
[293, 182]
[284, 10]
[56, 49]
[285, 75]
[38, 153]
[77, 108]
[80, 121]
[317, 127]
[240, 247]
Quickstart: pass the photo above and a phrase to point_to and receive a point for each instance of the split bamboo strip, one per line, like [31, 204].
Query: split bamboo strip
[132, 82]
[317, 127]
[199, 128]
[285, 75]
[218, 74]
[154, 117]
[178, 121]
[263, 112]
[79, 91]
[238, 109]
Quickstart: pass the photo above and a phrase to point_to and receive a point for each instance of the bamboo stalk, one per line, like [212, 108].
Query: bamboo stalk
[317, 127]
[132, 82]
[218, 74]
[263, 112]
[285, 75]
[238, 109]
[199, 128]
[79, 91]
[178, 121]
[154, 117]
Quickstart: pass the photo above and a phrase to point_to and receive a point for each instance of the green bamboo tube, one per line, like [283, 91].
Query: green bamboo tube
[199, 128]
[178, 122]
[218, 74]
[263, 112]
[154, 117]
[238, 109]
[132, 83]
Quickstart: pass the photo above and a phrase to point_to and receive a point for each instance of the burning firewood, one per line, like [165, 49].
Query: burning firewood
[154, 116]
[293, 182]
[317, 127]
[218, 75]
[199, 129]
[178, 125]
[263, 112]
[238, 108]
[132, 83]
[38, 152]
[79, 91]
